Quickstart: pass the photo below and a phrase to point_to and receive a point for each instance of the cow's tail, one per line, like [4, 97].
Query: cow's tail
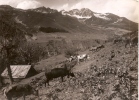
[4, 91]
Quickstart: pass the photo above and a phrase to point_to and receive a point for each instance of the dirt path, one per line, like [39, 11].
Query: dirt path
[82, 66]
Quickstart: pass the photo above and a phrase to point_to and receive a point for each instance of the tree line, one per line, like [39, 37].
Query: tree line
[15, 50]
[51, 30]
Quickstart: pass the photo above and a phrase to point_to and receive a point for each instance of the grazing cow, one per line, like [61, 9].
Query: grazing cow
[97, 48]
[71, 58]
[93, 49]
[20, 90]
[117, 41]
[82, 57]
[134, 41]
[58, 72]
[100, 46]
[127, 42]
[5, 89]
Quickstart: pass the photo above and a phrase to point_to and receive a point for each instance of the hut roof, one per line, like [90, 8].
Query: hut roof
[18, 71]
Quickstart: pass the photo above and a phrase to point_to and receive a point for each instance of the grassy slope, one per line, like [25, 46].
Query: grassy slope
[80, 88]
[83, 87]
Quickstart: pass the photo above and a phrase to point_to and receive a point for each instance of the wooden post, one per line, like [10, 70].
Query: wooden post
[8, 68]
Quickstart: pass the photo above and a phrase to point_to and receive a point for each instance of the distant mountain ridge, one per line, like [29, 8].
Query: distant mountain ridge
[34, 19]
[90, 18]
[45, 10]
[70, 21]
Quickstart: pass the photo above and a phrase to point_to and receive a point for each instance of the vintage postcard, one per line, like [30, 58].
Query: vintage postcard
[69, 49]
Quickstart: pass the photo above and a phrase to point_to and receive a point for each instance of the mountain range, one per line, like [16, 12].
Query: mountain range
[72, 21]
[91, 18]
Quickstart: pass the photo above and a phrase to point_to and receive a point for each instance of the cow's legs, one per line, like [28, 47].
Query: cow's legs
[47, 83]
[78, 61]
[9, 98]
[68, 76]
[62, 78]
[85, 59]
[23, 96]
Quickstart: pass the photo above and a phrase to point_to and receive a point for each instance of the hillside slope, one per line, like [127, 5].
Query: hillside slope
[92, 83]
[110, 74]
[34, 19]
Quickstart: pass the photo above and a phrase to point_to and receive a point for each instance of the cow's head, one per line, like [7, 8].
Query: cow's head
[72, 74]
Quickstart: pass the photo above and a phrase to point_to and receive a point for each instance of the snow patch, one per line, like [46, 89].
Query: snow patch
[63, 13]
[119, 20]
[77, 16]
[102, 16]
[77, 13]
[19, 21]
[42, 11]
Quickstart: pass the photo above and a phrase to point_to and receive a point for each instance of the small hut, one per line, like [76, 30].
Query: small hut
[19, 72]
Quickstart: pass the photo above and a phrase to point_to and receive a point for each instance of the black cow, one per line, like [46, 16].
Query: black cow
[58, 72]
[20, 90]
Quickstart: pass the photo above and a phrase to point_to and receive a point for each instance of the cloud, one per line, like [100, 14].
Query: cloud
[135, 15]
[4, 2]
[78, 6]
[123, 8]
[65, 7]
[12, 3]
[94, 5]
[29, 4]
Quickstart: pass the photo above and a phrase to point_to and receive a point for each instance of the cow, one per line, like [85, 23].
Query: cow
[5, 89]
[71, 58]
[82, 57]
[93, 49]
[58, 72]
[97, 48]
[19, 90]
[100, 46]
[134, 41]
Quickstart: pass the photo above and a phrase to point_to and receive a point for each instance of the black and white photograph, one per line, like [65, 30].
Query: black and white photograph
[69, 49]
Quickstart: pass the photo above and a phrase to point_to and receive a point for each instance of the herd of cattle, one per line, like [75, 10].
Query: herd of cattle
[65, 70]
[23, 90]
[79, 58]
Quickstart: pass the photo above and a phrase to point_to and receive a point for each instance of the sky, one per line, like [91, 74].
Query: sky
[122, 8]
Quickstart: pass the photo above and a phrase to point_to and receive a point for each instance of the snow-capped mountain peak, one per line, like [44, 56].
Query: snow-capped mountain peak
[45, 10]
[84, 13]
